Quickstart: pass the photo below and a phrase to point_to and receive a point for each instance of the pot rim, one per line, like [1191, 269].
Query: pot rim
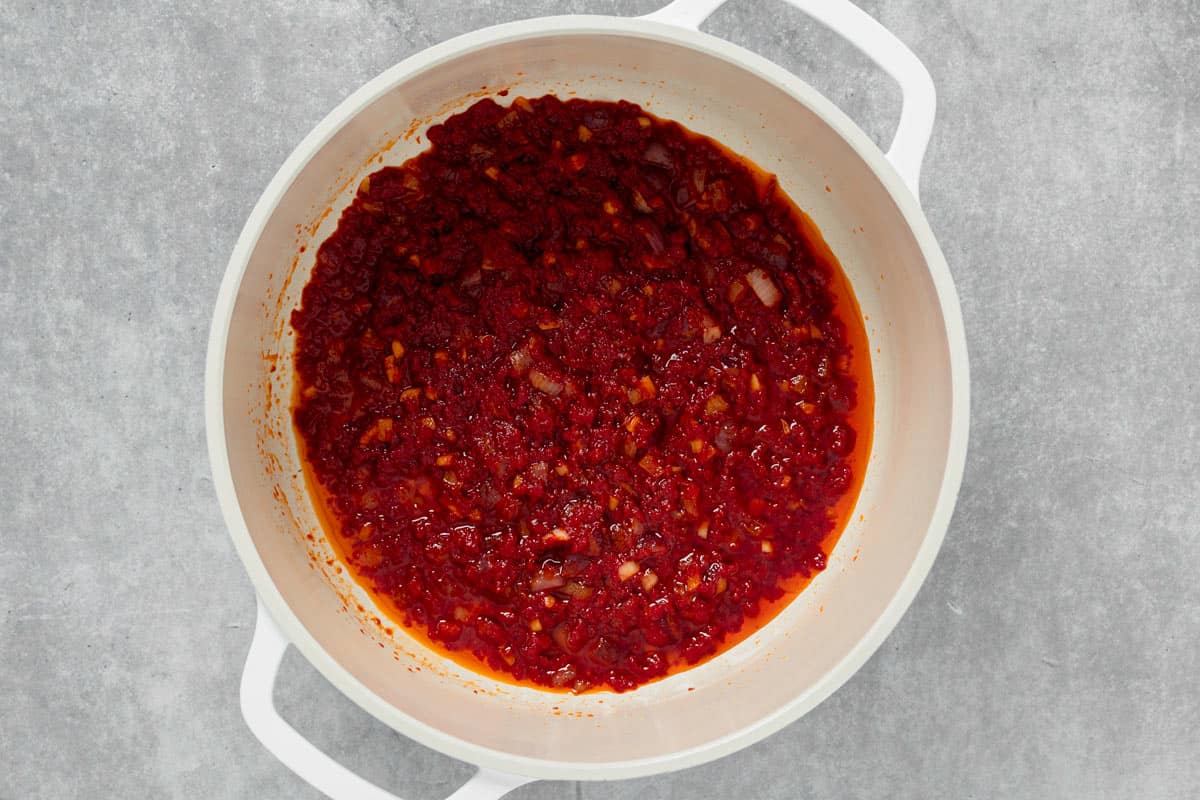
[580, 25]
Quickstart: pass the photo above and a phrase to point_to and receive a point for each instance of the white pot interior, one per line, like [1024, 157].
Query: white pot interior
[772, 677]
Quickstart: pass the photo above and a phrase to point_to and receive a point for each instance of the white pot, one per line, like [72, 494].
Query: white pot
[871, 219]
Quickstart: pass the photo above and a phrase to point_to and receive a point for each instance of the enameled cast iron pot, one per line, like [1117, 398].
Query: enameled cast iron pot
[872, 220]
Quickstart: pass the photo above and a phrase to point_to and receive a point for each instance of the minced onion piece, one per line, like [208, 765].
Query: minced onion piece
[763, 286]
[736, 288]
[712, 331]
[543, 383]
[577, 590]
[656, 153]
[546, 580]
[520, 359]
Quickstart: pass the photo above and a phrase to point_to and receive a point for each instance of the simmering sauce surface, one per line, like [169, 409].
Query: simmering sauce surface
[583, 395]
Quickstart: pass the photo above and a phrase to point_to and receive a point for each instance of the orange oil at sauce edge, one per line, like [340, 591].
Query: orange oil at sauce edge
[861, 417]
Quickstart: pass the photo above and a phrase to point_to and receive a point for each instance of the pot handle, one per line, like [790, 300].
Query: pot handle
[919, 99]
[300, 755]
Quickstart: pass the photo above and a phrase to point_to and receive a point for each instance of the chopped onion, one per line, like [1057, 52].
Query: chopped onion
[656, 153]
[712, 331]
[480, 152]
[546, 580]
[763, 286]
[520, 360]
[652, 234]
[577, 590]
[736, 288]
[543, 383]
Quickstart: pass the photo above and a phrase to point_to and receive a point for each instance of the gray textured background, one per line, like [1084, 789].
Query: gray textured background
[1053, 651]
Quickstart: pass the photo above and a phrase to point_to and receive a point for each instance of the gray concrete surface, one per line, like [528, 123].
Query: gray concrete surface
[1053, 652]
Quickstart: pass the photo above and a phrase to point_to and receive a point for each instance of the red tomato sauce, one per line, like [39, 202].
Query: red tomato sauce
[584, 397]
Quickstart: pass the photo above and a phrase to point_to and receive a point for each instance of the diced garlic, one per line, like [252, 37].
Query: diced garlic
[716, 404]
